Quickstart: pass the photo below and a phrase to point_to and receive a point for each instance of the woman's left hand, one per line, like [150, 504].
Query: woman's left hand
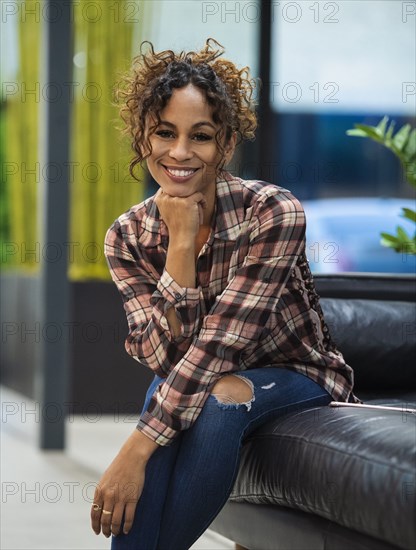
[120, 487]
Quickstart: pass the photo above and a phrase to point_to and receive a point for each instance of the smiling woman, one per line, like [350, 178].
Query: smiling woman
[219, 299]
[154, 78]
[184, 152]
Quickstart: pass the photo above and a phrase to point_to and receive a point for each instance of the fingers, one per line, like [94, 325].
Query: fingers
[102, 511]
[96, 517]
[107, 516]
[197, 197]
[106, 519]
[96, 510]
[117, 518]
[182, 215]
[129, 516]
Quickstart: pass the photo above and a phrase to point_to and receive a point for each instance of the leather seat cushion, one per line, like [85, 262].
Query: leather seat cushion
[377, 338]
[355, 467]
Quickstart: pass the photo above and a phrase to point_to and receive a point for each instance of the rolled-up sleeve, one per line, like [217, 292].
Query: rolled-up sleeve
[186, 302]
[146, 298]
[274, 239]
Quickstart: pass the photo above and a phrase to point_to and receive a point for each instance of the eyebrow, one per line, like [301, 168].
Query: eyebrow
[197, 125]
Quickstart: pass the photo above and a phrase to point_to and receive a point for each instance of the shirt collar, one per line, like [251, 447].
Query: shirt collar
[227, 221]
[229, 209]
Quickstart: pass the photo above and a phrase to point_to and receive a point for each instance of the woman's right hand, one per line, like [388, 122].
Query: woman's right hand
[183, 216]
[121, 486]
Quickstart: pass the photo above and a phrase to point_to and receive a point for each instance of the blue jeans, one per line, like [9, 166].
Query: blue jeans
[189, 481]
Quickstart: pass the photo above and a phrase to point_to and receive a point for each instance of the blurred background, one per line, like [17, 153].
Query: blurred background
[324, 67]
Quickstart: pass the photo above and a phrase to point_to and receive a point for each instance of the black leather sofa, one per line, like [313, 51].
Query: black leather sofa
[340, 478]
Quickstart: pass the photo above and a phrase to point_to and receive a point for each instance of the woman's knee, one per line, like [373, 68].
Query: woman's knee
[232, 388]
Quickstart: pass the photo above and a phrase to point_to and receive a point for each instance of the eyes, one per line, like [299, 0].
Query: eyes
[197, 136]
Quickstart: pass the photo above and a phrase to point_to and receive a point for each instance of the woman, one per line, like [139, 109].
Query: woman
[214, 279]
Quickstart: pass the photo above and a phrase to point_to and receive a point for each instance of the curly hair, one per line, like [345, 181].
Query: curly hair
[148, 86]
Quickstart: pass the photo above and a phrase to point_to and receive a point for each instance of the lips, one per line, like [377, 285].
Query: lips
[180, 174]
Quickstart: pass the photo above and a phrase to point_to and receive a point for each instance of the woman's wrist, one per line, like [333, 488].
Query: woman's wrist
[180, 263]
[183, 245]
[139, 445]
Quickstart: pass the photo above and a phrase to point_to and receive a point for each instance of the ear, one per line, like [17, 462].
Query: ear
[230, 148]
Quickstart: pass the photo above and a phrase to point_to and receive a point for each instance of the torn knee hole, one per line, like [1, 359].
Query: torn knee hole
[233, 389]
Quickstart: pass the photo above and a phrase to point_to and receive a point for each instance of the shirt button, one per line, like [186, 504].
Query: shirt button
[178, 296]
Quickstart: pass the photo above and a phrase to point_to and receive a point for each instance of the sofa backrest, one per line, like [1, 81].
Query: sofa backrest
[372, 320]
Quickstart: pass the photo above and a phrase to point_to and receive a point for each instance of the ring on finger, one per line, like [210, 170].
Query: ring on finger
[107, 512]
[96, 507]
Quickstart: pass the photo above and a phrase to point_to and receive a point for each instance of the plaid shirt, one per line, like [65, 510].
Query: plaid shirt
[254, 305]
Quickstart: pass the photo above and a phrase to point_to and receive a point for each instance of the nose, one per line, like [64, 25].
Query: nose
[181, 149]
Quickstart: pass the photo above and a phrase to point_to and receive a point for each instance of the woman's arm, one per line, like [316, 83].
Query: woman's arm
[183, 217]
[152, 300]
[122, 483]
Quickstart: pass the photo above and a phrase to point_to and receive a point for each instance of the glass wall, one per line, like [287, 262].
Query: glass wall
[335, 64]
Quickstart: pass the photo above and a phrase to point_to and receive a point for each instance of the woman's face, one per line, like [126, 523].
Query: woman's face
[184, 150]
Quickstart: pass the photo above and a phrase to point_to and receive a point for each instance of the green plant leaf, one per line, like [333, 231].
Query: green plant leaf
[400, 139]
[362, 130]
[389, 132]
[357, 132]
[402, 234]
[381, 126]
[410, 149]
[403, 145]
[371, 132]
[407, 246]
[409, 214]
[390, 238]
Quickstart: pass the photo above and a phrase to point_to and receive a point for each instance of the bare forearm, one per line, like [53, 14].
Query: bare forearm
[180, 263]
[139, 446]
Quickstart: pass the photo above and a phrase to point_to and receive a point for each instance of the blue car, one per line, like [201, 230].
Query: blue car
[344, 235]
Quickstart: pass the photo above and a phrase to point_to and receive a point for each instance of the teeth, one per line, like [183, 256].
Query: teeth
[180, 173]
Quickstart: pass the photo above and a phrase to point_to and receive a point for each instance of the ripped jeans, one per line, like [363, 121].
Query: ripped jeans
[189, 481]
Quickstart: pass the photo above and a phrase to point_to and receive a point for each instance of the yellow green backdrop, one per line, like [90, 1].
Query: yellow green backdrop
[21, 170]
[105, 39]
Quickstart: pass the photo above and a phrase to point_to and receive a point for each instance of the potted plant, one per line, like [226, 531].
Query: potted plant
[403, 145]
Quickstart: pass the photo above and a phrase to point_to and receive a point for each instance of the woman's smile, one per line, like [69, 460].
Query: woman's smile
[180, 174]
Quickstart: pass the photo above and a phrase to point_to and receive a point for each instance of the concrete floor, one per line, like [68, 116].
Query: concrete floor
[46, 495]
